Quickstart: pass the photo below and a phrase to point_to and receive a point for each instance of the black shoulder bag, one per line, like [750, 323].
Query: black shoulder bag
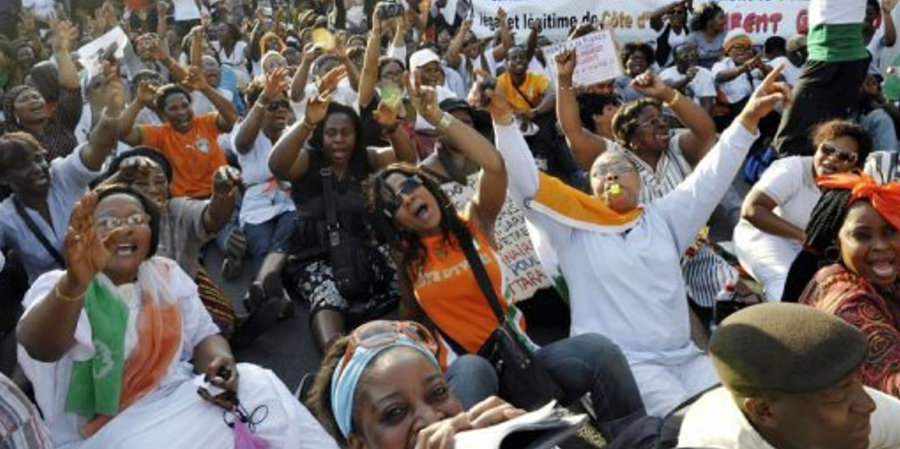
[32, 226]
[523, 381]
[349, 255]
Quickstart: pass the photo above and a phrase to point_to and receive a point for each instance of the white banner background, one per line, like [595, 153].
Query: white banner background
[631, 18]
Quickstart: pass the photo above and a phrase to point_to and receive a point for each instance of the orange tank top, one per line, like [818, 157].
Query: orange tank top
[448, 291]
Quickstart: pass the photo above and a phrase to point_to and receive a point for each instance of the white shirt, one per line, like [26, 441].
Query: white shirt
[702, 86]
[237, 60]
[791, 72]
[51, 380]
[738, 88]
[265, 197]
[715, 421]
[629, 286]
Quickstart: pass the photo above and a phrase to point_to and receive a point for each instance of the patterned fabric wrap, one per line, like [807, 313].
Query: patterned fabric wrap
[219, 307]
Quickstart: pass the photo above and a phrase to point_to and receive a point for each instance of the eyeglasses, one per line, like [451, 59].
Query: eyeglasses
[408, 186]
[107, 224]
[843, 155]
[276, 105]
[655, 121]
[376, 334]
[617, 168]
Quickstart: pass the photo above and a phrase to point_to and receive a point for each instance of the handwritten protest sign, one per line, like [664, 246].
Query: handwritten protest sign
[511, 234]
[598, 60]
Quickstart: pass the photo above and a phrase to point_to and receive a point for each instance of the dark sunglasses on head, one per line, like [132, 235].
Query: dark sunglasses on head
[408, 186]
[842, 155]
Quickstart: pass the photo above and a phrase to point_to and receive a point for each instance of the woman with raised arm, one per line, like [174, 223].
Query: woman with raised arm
[325, 153]
[622, 258]
[429, 238]
[117, 344]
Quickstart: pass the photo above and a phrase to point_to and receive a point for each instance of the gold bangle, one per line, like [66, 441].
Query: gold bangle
[444, 124]
[675, 98]
[309, 126]
[561, 87]
[65, 298]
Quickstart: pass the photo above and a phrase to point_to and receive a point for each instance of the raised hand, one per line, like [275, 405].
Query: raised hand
[226, 181]
[386, 115]
[501, 15]
[566, 61]
[691, 73]
[330, 80]
[311, 52]
[146, 93]
[765, 98]
[276, 83]
[64, 34]
[195, 80]
[340, 43]
[424, 99]
[649, 85]
[157, 50]
[85, 248]
[161, 9]
[887, 6]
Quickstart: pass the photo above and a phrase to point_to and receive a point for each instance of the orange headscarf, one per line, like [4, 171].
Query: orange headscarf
[884, 198]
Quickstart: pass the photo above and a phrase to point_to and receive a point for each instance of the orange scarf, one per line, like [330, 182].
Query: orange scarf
[159, 338]
[884, 198]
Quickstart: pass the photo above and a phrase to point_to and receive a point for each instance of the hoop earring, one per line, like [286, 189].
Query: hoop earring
[832, 254]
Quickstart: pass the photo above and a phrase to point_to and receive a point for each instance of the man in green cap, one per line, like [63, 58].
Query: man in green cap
[789, 376]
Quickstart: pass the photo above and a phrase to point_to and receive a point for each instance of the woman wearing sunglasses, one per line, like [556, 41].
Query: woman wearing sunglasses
[383, 387]
[622, 258]
[777, 209]
[425, 231]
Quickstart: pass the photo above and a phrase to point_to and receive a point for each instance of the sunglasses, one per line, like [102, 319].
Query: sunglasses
[276, 105]
[407, 187]
[376, 334]
[842, 155]
[107, 224]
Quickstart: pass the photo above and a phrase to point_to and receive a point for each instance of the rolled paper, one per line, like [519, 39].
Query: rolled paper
[615, 189]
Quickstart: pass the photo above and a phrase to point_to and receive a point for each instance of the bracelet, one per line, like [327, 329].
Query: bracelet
[262, 101]
[675, 97]
[65, 298]
[566, 87]
[309, 126]
[444, 124]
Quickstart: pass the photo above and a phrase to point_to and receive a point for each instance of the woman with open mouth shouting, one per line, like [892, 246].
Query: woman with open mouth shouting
[622, 258]
[441, 287]
[334, 263]
[856, 229]
[117, 344]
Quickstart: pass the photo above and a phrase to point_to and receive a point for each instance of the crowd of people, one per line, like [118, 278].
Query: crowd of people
[721, 223]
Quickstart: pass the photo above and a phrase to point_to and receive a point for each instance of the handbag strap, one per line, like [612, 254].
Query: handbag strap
[328, 196]
[481, 275]
[524, 97]
[32, 226]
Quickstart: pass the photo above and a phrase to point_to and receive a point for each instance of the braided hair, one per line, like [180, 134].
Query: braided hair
[625, 122]
[826, 219]
[413, 251]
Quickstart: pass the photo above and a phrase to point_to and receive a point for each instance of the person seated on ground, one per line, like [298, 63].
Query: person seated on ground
[829, 82]
[267, 212]
[879, 117]
[189, 142]
[775, 52]
[152, 54]
[861, 283]
[316, 63]
[380, 77]
[529, 93]
[425, 65]
[708, 25]
[35, 217]
[664, 159]
[737, 75]
[22, 427]
[427, 235]
[108, 344]
[621, 258]
[103, 90]
[148, 114]
[358, 281]
[26, 109]
[394, 359]
[670, 21]
[693, 81]
[232, 50]
[449, 164]
[185, 224]
[790, 379]
[778, 207]
[636, 59]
